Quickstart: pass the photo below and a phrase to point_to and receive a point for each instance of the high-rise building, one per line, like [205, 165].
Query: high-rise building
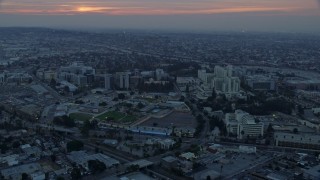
[104, 81]
[123, 80]
[224, 81]
[159, 74]
[202, 75]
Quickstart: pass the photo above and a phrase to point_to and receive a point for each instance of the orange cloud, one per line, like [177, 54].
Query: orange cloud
[92, 9]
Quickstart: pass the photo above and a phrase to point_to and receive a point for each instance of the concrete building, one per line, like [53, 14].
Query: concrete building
[16, 172]
[247, 149]
[70, 86]
[18, 77]
[160, 74]
[300, 140]
[123, 80]
[82, 158]
[2, 77]
[77, 73]
[260, 82]
[104, 81]
[243, 125]
[224, 81]
[46, 75]
[169, 162]
[183, 82]
[166, 143]
[202, 75]
[303, 84]
[188, 156]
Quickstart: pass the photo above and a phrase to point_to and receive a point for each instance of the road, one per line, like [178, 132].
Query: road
[258, 166]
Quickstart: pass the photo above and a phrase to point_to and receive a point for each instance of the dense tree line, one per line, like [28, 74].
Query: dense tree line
[64, 121]
[74, 145]
[216, 122]
[269, 106]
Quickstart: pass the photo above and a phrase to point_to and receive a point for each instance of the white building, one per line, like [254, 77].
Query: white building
[243, 125]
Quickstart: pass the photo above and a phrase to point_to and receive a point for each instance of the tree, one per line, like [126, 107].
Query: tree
[86, 128]
[53, 158]
[53, 82]
[96, 166]
[64, 121]
[140, 105]
[103, 104]
[67, 89]
[208, 177]
[74, 145]
[121, 96]
[187, 88]
[24, 176]
[15, 144]
[60, 178]
[300, 110]
[133, 167]
[214, 94]
[75, 173]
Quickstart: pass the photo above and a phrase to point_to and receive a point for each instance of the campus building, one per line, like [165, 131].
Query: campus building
[243, 125]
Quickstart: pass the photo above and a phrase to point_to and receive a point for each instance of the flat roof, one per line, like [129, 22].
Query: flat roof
[141, 163]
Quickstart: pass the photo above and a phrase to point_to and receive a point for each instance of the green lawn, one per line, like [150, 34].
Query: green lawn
[111, 114]
[80, 116]
[117, 117]
[129, 118]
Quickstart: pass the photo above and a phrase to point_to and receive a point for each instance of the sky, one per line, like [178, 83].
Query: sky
[188, 15]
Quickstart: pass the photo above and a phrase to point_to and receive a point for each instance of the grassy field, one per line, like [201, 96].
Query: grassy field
[117, 117]
[112, 114]
[80, 116]
[129, 118]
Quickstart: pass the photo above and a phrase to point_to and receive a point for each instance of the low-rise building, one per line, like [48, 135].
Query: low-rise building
[15, 173]
[169, 162]
[297, 140]
[188, 156]
[82, 158]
